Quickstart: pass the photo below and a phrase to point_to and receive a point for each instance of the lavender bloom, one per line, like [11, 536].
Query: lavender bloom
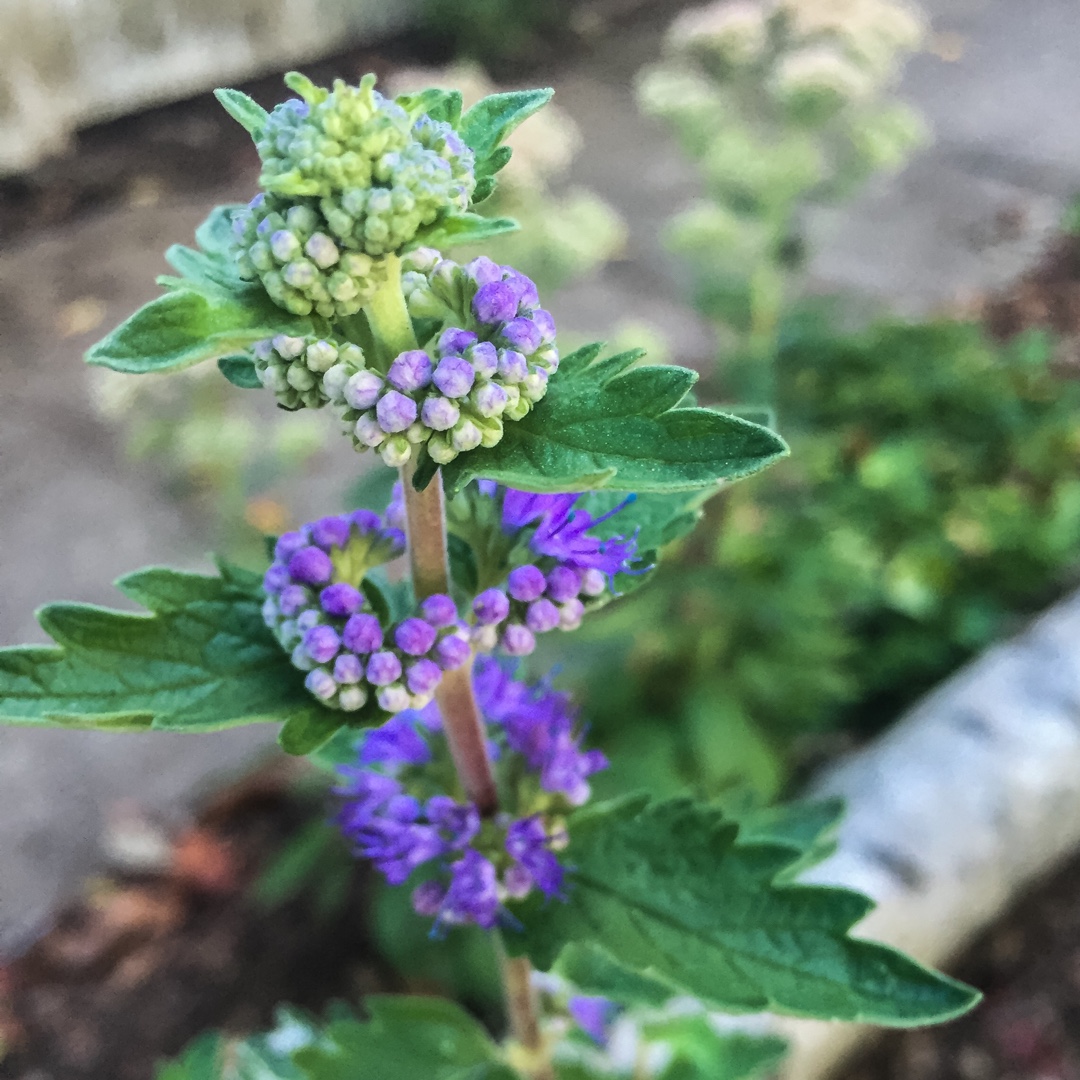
[542, 616]
[330, 532]
[362, 390]
[453, 341]
[513, 366]
[518, 640]
[563, 584]
[276, 578]
[321, 684]
[527, 845]
[427, 898]
[458, 823]
[593, 1015]
[288, 544]
[363, 634]
[396, 743]
[522, 334]
[422, 677]
[439, 413]
[484, 358]
[452, 651]
[473, 895]
[311, 565]
[348, 668]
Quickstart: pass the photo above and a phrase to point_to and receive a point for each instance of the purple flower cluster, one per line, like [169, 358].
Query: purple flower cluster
[474, 869]
[319, 614]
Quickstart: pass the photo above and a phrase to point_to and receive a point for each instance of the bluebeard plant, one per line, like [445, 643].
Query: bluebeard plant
[458, 778]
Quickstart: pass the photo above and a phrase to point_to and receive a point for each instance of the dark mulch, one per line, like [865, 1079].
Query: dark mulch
[143, 963]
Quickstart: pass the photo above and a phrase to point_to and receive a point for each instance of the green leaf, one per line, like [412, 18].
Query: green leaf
[201, 660]
[202, 1060]
[441, 105]
[460, 230]
[658, 519]
[250, 115]
[609, 424]
[184, 327]
[485, 188]
[666, 891]
[491, 119]
[700, 1053]
[240, 371]
[305, 732]
[486, 168]
[593, 970]
[407, 1038]
[212, 273]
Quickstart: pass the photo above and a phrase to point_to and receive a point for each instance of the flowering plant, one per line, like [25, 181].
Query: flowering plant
[534, 488]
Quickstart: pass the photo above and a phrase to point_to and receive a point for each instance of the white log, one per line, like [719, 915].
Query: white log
[957, 809]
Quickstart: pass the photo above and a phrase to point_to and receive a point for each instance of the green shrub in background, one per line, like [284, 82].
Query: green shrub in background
[782, 105]
[931, 502]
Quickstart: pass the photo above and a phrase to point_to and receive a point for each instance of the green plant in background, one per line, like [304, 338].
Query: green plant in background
[782, 105]
[497, 33]
[535, 487]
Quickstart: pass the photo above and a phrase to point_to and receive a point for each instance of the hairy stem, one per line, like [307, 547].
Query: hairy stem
[523, 1008]
[425, 522]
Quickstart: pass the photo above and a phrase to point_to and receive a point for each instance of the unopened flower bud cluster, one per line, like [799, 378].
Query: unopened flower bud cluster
[319, 615]
[489, 366]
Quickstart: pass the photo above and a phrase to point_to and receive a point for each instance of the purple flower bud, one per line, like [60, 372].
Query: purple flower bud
[526, 583]
[383, 668]
[545, 324]
[362, 390]
[341, 598]
[427, 898]
[395, 411]
[495, 302]
[527, 844]
[522, 334]
[570, 614]
[593, 582]
[410, 371]
[491, 606]
[367, 430]
[422, 676]
[322, 250]
[311, 565]
[483, 270]
[292, 599]
[524, 288]
[363, 634]
[542, 616]
[284, 245]
[454, 376]
[455, 341]
[518, 640]
[513, 366]
[517, 881]
[439, 610]
[288, 544]
[330, 532]
[322, 643]
[415, 636]
[562, 584]
[484, 358]
[321, 684]
[440, 414]
[466, 435]
[307, 619]
[452, 651]
[367, 521]
[348, 668]
[397, 742]
[490, 399]
[276, 578]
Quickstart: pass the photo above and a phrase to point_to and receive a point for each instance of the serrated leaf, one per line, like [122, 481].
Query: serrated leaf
[249, 114]
[240, 371]
[407, 1038]
[461, 230]
[184, 327]
[664, 888]
[200, 661]
[491, 119]
[608, 424]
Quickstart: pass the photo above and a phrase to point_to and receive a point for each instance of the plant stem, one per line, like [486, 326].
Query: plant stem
[522, 1006]
[425, 522]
